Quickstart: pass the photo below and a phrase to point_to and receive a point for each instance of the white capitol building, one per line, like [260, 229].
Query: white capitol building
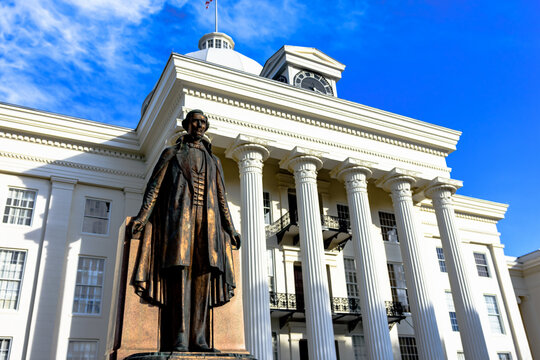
[354, 242]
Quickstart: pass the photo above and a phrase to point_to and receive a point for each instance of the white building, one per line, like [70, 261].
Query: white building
[333, 198]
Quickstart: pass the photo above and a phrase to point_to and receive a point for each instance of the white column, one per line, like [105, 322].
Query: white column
[320, 331]
[510, 303]
[50, 279]
[256, 298]
[422, 304]
[470, 326]
[374, 319]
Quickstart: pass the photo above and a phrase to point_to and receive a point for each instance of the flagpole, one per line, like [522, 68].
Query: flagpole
[216, 17]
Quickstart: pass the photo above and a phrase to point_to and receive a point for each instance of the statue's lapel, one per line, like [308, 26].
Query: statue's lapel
[185, 164]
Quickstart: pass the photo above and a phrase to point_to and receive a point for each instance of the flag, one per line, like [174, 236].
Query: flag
[208, 3]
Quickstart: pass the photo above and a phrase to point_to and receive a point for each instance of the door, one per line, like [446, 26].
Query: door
[299, 287]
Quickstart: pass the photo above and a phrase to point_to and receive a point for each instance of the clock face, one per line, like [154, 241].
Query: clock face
[313, 81]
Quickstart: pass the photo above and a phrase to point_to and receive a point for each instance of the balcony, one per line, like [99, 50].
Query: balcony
[288, 308]
[336, 230]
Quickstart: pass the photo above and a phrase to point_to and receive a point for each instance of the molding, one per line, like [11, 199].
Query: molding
[70, 145]
[323, 142]
[461, 215]
[352, 130]
[69, 164]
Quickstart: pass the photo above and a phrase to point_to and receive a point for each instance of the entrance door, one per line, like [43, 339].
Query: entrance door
[304, 349]
[293, 209]
[299, 287]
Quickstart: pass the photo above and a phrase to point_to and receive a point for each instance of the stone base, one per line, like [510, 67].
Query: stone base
[189, 356]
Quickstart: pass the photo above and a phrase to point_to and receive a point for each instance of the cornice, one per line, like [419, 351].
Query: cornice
[357, 131]
[460, 215]
[323, 141]
[69, 145]
[69, 164]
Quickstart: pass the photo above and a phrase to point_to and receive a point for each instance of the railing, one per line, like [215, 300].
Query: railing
[327, 221]
[394, 309]
[346, 305]
[282, 301]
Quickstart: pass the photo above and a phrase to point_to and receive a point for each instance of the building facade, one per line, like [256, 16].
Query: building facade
[354, 243]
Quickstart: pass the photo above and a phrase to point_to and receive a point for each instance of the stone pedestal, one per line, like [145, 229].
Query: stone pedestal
[137, 323]
[189, 356]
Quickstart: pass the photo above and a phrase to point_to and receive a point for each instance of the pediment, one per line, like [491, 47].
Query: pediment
[312, 54]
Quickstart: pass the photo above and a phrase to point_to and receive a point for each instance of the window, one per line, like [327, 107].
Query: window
[82, 350]
[270, 267]
[398, 286]
[96, 217]
[350, 278]
[89, 286]
[343, 216]
[204, 45]
[225, 45]
[275, 345]
[11, 271]
[267, 208]
[504, 356]
[481, 264]
[407, 346]
[388, 226]
[359, 347]
[211, 43]
[5, 345]
[218, 43]
[19, 207]
[452, 311]
[442, 261]
[494, 315]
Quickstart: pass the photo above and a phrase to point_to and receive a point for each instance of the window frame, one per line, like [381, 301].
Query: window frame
[411, 345]
[498, 315]
[451, 311]
[275, 349]
[442, 259]
[267, 198]
[96, 217]
[73, 313]
[354, 274]
[392, 277]
[270, 262]
[481, 266]
[359, 348]
[9, 342]
[19, 293]
[507, 355]
[384, 217]
[95, 341]
[9, 188]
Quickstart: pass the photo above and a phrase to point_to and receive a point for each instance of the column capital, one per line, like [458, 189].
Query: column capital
[397, 176]
[352, 166]
[299, 156]
[244, 144]
[441, 183]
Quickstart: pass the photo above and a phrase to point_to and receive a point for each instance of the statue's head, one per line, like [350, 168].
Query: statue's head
[196, 124]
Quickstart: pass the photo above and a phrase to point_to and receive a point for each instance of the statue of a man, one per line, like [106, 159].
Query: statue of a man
[185, 262]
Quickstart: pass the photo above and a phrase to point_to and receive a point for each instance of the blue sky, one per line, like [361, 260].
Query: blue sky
[467, 65]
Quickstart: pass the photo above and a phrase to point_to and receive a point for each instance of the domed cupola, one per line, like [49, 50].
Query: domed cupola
[218, 48]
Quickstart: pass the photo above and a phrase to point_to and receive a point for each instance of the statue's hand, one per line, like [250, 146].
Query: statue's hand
[136, 226]
[235, 240]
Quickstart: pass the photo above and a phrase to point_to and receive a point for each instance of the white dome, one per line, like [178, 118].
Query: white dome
[218, 48]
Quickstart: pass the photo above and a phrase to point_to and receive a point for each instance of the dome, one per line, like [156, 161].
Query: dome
[218, 48]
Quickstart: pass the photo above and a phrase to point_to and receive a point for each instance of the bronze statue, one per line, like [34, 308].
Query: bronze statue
[185, 262]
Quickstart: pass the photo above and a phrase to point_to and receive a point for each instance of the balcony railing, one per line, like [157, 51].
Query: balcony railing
[346, 305]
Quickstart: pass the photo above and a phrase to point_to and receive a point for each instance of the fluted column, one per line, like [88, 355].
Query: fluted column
[256, 299]
[374, 319]
[422, 305]
[320, 331]
[470, 326]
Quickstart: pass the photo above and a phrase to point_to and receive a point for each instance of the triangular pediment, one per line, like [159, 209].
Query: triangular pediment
[312, 54]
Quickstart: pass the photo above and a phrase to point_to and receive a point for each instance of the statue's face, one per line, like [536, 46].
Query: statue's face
[197, 126]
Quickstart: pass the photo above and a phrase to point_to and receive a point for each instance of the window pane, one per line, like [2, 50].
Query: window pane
[440, 257]
[11, 270]
[504, 356]
[398, 286]
[452, 311]
[96, 216]
[5, 344]
[267, 209]
[19, 207]
[481, 264]
[495, 320]
[88, 289]
[82, 350]
[359, 347]
[407, 345]
[270, 269]
[388, 226]
[350, 278]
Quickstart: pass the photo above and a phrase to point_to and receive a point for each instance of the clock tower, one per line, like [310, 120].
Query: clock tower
[304, 67]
